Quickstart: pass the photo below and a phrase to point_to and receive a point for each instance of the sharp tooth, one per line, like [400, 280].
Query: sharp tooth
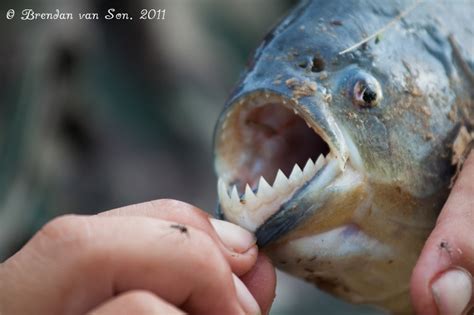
[295, 111]
[222, 189]
[234, 195]
[308, 168]
[267, 95]
[281, 182]
[296, 174]
[264, 189]
[250, 198]
[319, 162]
[307, 124]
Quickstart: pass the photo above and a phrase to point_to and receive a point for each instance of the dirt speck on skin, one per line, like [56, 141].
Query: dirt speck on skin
[465, 107]
[415, 91]
[461, 147]
[291, 82]
[428, 136]
[411, 86]
[426, 110]
[328, 98]
[452, 115]
[301, 88]
[352, 115]
[277, 79]
[463, 139]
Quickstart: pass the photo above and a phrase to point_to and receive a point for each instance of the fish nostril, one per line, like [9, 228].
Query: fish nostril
[318, 64]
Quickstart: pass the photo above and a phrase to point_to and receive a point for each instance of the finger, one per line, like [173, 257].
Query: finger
[78, 262]
[237, 245]
[448, 255]
[261, 282]
[137, 303]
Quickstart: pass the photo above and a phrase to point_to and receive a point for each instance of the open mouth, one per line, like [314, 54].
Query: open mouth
[267, 148]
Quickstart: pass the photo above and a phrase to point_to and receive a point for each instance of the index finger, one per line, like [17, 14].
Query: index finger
[241, 254]
[77, 262]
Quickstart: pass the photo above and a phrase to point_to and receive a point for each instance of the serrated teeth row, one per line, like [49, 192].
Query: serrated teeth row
[271, 196]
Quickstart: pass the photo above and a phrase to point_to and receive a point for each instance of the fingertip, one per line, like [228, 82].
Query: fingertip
[446, 248]
[261, 282]
[452, 291]
[234, 237]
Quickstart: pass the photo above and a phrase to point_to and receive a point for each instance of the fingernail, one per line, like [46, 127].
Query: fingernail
[452, 291]
[246, 299]
[233, 236]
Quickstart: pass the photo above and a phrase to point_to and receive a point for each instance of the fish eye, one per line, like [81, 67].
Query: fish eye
[366, 92]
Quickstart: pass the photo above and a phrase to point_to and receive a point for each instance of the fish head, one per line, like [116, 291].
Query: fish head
[310, 157]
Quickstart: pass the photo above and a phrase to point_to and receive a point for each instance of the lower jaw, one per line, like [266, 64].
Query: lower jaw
[332, 199]
[251, 210]
[271, 223]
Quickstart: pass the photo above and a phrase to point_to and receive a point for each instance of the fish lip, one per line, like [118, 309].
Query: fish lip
[313, 110]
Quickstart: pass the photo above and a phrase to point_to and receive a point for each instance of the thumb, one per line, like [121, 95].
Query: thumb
[441, 281]
[261, 282]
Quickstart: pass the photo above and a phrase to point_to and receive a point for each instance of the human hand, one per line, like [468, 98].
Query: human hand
[441, 282]
[161, 257]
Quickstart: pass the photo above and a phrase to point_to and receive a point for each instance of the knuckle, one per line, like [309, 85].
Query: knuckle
[66, 229]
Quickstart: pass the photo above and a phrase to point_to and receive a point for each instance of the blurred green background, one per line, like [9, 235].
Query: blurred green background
[99, 114]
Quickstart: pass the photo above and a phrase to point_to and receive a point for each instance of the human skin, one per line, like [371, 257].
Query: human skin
[441, 281]
[160, 257]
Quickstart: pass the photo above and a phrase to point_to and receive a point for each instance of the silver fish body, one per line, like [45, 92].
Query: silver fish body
[355, 136]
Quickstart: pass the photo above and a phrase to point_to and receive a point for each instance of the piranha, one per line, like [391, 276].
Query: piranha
[336, 146]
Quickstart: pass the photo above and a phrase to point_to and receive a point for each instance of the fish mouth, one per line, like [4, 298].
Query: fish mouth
[262, 138]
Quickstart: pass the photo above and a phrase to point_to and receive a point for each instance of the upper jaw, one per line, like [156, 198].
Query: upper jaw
[254, 205]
